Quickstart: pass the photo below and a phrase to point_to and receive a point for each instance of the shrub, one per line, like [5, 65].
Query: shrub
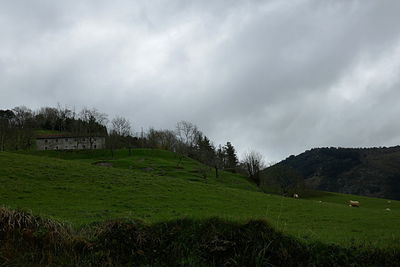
[26, 239]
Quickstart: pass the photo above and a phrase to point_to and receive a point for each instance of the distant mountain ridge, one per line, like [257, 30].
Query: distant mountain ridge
[373, 172]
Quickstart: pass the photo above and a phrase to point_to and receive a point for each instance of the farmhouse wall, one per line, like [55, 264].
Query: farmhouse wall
[69, 143]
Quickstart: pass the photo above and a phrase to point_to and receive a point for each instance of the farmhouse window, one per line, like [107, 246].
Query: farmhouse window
[94, 146]
[45, 140]
[45, 148]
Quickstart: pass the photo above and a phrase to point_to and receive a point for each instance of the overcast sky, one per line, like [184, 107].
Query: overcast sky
[278, 77]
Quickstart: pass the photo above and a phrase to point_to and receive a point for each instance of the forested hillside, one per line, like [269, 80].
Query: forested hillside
[371, 172]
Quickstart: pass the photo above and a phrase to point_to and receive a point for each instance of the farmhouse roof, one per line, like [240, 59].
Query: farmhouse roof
[60, 136]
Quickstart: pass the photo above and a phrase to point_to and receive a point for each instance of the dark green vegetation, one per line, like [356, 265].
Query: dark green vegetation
[31, 240]
[371, 172]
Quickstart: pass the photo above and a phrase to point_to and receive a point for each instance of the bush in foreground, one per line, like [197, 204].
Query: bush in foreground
[26, 239]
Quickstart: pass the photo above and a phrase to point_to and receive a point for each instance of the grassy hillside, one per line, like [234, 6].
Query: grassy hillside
[155, 186]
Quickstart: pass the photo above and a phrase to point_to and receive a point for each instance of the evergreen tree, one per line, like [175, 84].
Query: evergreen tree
[205, 150]
[231, 157]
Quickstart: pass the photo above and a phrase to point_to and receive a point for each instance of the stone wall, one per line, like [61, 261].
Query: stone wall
[68, 143]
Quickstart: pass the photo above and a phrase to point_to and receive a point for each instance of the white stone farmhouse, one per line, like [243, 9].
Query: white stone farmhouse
[68, 142]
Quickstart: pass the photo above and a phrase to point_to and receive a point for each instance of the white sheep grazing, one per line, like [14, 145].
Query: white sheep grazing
[295, 195]
[387, 209]
[354, 203]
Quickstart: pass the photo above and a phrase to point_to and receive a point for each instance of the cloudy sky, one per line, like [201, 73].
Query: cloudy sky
[278, 76]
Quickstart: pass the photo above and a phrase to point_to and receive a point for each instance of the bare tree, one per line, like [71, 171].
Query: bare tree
[152, 138]
[93, 115]
[22, 125]
[95, 123]
[120, 134]
[64, 115]
[168, 140]
[23, 115]
[187, 133]
[254, 163]
[121, 126]
[162, 139]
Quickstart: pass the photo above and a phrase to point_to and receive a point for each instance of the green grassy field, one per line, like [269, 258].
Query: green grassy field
[154, 186]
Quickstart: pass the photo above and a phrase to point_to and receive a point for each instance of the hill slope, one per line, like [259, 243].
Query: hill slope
[371, 172]
[149, 185]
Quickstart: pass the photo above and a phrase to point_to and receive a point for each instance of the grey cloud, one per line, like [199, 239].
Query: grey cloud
[276, 76]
